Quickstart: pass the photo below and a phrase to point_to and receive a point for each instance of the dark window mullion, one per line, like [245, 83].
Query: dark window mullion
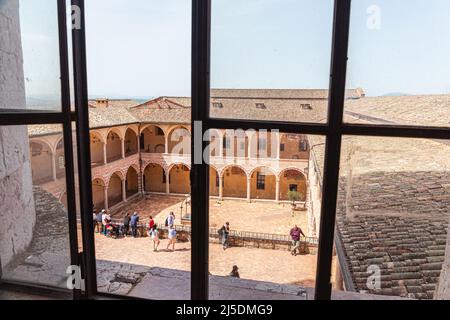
[67, 136]
[201, 26]
[341, 26]
[84, 152]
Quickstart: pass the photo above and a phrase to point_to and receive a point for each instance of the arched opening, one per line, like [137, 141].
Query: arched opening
[154, 178]
[180, 141]
[234, 183]
[114, 190]
[41, 162]
[98, 194]
[131, 182]
[96, 145]
[292, 180]
[153, 140]
[213, 182]
[263, 184]
[113, 147]
[179, 179]
[59, 160]
[131, 143]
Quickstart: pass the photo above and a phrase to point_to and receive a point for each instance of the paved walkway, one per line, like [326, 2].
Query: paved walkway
[254, 264]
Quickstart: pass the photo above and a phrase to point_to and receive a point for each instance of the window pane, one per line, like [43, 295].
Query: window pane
[270, 60]
[29, 51]
[393, 213]
[263, 193]
[401, 66]
[140, 143]
[34, 235]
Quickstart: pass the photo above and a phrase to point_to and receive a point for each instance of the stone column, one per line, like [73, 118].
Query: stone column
[166, 138]
[220, 187]
[167, 182]
[105, 157]
[105, 195]
[221, 139]
[124, 190]
[122, 141]
[277, 190]
[249, 188]
[53, 167]
[139, 143]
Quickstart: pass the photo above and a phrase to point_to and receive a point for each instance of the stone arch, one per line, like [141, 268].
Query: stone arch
[98, 193]
[132, 181]
[292, 179]
[213, 181]
[113, 145]
[152, 136]
[115, 191]
[41, 161]
[154, 178]
[96, 146]
[179, 178]
[234, 182]
[179, 139]
[263, 183]
[131, 142]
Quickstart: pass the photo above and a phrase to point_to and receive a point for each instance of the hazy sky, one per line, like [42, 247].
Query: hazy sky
[141, 48]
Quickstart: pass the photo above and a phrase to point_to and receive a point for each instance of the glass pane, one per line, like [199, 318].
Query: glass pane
[401, 66]
[270, 60]
[140, 143]
[34, 234]
[393, 214]
[263, 184]
[29, 52]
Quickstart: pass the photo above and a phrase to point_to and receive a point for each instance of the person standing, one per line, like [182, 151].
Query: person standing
[295, 234]
[172, 237]
[154, 234]
[94, 219]
[151, 223]
[170, 221]
[126, 224]
[98, 222]
[104, 221]
[225, 232]
[134, 224]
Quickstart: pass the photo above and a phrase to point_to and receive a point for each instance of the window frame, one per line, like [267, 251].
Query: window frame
[333, 130]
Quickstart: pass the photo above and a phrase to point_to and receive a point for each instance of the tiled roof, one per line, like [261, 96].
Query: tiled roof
[393, 211]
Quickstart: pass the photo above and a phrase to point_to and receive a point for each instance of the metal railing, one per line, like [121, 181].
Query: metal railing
[236, 234]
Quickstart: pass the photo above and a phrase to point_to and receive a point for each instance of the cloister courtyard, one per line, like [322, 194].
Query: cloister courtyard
[257, 216]
[277, 266]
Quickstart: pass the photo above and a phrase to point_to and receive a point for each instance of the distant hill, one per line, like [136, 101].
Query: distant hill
[396, 94]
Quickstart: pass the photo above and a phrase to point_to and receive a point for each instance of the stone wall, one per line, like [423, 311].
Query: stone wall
[443, 288]
[17, 211]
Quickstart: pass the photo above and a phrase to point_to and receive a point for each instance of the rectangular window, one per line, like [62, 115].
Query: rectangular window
[282, 147]
[303, 146]
[260, 181]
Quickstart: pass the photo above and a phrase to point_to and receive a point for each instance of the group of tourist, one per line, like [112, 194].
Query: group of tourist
[103, 224]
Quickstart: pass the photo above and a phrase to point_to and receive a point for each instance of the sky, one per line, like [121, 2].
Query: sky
[141, 48]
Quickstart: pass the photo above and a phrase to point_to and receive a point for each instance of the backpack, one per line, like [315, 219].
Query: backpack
[221, 231]
[167, 222]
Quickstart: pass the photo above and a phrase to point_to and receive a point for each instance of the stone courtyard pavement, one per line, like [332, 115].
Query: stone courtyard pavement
[255, 264]
[261, 216]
